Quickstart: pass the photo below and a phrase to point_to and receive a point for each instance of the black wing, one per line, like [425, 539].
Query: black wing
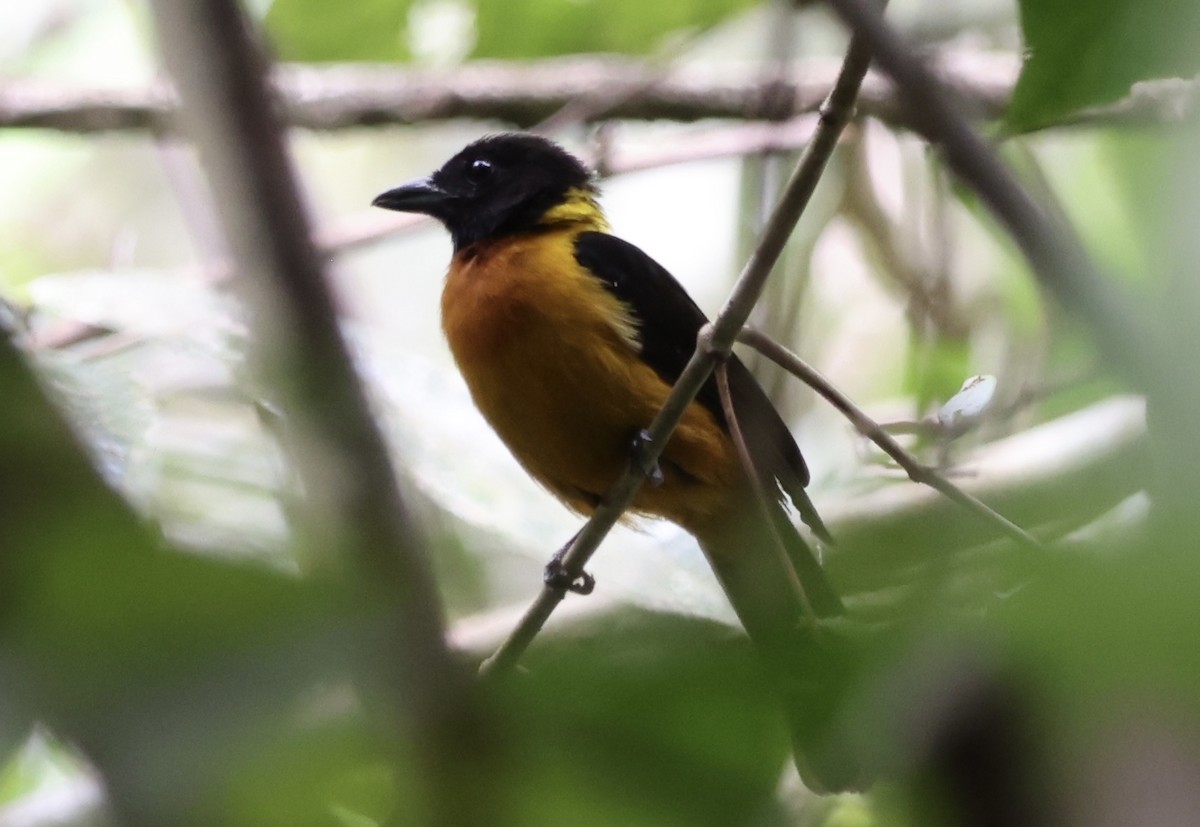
[669, 322]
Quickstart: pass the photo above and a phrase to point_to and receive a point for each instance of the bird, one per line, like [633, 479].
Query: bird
[570, 338]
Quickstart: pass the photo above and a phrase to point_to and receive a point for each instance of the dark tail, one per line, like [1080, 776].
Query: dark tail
[775, 589]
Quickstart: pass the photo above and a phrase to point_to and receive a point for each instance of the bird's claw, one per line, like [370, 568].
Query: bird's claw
[557, 577]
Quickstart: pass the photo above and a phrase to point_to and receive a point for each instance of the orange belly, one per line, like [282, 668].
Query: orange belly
[550, 358]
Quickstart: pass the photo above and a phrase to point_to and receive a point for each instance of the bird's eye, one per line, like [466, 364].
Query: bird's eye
[479, 170]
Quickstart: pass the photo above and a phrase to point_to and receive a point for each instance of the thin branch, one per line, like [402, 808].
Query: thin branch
[183, 175]
[721, 373]
[1066, 472]
[355, 509]
[715, 344]
[869, 428]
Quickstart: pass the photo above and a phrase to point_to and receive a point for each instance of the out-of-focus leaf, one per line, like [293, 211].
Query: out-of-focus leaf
[1075, 693]
[1120, 623]
[108, 408]
[1110, 647]
[648, 719]
[385, 30]
[163, 413]
[153, 662]
[966, 406]
[335, 773]
[138, 302]
[1089, 54]
[47, 782]
[313, 30]
[935, 368]
[538, 28]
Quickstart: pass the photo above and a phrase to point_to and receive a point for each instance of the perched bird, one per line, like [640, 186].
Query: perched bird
[570, 339]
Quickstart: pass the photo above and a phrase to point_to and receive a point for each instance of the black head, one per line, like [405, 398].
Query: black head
[499, 185]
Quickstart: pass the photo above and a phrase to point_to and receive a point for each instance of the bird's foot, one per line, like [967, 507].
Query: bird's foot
[557, 577]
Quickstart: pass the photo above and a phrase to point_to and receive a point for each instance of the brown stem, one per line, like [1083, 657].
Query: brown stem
[869, 428]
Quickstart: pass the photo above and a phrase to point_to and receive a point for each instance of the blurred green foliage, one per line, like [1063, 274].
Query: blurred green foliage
[936, 371]
[381, 30]
[645, 718]
[540, 28]
[314, 31]
[173, 656]
[1088, 54]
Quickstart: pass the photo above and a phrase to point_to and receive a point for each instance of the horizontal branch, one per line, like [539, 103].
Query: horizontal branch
[346, 96]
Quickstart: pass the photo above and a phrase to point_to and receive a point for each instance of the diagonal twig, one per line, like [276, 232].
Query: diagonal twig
[917, 471]
[721, 373]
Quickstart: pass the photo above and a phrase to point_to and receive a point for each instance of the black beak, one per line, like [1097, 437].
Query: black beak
[420, 196]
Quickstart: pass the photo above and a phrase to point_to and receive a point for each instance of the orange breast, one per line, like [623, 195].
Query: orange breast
[551, 361]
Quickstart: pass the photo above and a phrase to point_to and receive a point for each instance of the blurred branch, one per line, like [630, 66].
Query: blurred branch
[363, 229]
[183, 175]
[353, 502]
[713, 345]
[348, 96]
[1052, 249]
[930, 307]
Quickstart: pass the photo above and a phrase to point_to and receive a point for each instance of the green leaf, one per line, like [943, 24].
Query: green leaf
[313, 30]
[1089, 54]
[643, 719]
[383, 30]
[538, 28]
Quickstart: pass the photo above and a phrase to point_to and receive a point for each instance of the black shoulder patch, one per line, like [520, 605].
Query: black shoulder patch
[668, 322]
